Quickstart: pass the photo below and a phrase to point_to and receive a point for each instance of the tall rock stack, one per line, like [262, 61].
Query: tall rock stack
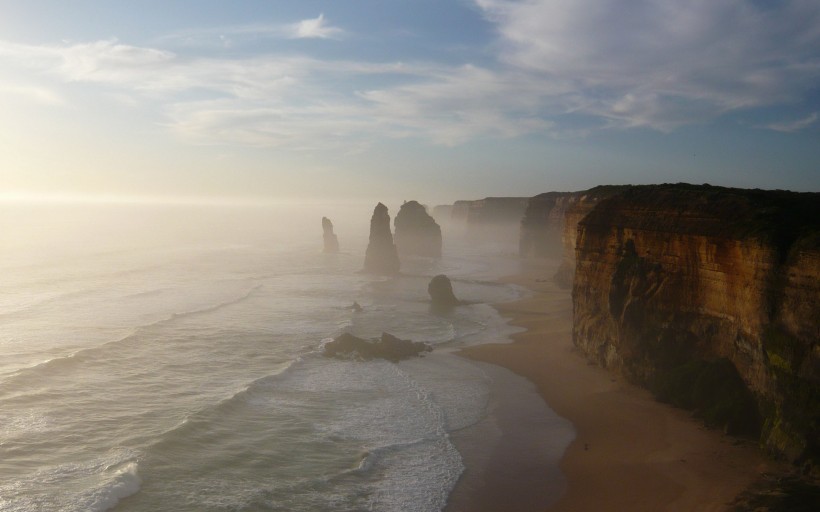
[330, 239]
[417, 233]
[381, 257]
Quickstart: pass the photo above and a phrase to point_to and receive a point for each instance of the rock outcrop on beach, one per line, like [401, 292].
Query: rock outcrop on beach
[417, 233]
[330, 239]
[381, 256]
[389, 347]
[709, 296]
[441, 293]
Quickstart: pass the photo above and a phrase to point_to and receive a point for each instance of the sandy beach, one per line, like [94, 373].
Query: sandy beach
[630, 452]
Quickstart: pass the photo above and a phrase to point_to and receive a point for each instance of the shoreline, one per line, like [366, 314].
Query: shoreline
[630, 452]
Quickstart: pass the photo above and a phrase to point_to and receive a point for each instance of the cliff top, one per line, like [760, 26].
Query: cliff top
[778, 216]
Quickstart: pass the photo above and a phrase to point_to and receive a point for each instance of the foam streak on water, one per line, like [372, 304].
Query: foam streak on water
[185, 375]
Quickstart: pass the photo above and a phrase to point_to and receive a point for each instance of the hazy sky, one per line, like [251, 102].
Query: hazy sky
[399, 99]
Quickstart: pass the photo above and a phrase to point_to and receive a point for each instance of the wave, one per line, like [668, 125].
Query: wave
[52, 282]
[124, 482]
[46, 367]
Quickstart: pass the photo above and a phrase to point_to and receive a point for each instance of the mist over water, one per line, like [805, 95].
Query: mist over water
[166, 357]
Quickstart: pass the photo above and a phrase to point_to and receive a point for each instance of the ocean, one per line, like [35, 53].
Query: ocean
[168, 357]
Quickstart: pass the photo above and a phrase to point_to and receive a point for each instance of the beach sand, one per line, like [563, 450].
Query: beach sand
[630, 452]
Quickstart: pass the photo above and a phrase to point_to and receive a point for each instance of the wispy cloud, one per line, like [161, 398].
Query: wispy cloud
[794, 126]
[227, 36]
[664, 63]
[659, 64]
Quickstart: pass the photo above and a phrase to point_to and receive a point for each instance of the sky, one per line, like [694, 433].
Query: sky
[435, 100]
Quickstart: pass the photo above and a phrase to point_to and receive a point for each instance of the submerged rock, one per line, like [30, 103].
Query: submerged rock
[417, 233]
[382, 256]
[389, 347]
[441, 292]
[330, 239]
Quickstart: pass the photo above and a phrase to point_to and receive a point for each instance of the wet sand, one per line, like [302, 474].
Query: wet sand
[630, 452]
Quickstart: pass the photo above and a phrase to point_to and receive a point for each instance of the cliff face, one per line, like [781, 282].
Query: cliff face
[496, 210]
[549, 226]
[417, 233]
[543, 224]
[381, 256]
[671, 276]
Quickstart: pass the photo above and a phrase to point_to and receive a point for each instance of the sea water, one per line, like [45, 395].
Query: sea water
[159, 357]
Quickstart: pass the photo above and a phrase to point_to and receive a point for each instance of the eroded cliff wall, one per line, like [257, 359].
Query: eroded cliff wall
[550, 223]
[671, 277]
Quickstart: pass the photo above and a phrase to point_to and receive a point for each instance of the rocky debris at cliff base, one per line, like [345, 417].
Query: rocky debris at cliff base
[331, 242]
[441, 293]
[381, 256]
[389, 347]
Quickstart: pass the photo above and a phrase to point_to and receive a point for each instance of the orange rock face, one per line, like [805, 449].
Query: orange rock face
[668, 275]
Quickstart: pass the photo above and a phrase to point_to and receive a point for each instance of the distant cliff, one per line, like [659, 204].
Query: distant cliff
[496, 210]
[484, 212]
[711, 297]
[543, 224]
[550, 223]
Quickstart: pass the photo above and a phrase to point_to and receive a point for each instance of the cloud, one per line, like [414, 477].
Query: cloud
[34, 93]
[314, 28]
[598, 64]
[794, 126]
[663, 63]
[229, 36]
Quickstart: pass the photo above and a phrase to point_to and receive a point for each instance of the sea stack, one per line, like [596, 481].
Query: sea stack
[331, 242]
[441, 292]
[381, 256]
[417, 233]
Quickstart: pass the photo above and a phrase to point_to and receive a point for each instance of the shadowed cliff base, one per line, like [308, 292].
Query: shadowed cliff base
[630, 453]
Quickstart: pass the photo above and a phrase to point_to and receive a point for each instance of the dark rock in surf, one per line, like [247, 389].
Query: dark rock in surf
[330, 239]
[382, 256]
[441, 292]
[389, 347]
[417, 233]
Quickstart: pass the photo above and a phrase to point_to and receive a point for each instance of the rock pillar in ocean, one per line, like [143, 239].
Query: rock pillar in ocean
[331, 242]
[417, 233]
[441, 292]
[382, 256]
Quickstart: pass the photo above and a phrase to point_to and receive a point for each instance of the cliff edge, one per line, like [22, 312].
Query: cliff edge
[710, 297]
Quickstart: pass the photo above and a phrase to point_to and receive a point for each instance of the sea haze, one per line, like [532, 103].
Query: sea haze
[160, 357]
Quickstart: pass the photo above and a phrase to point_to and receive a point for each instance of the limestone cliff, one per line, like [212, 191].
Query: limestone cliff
[543, 224]
[381, 256]
[673, 280]
[549, 226]
[331, 242]
[417, 233]
[496, 210]
[486, 212]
